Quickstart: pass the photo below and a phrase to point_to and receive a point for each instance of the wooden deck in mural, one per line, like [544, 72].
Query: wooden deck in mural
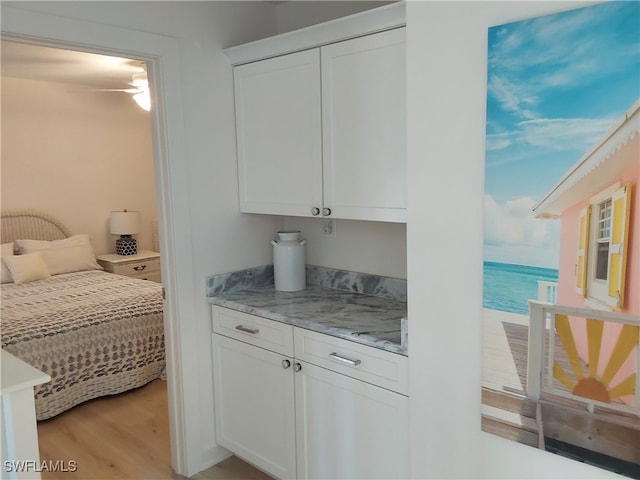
[507, 412]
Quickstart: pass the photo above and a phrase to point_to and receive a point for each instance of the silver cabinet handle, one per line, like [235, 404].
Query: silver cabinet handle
[315, 211]
[286, 363]
[297, 367]
[244, 329]
[341, 359]
[326, 212]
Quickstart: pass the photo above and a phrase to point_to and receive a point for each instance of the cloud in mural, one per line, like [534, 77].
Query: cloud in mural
[564, 133]
[513, 235]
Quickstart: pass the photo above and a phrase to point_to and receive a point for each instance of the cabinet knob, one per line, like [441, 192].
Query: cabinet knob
[315, 211]
[297, 367]
[326, 212]
[286, 363]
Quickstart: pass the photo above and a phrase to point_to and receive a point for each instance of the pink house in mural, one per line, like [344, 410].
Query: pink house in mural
[598, 206]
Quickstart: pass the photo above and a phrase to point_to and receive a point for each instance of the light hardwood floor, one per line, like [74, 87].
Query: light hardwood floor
[124, 436]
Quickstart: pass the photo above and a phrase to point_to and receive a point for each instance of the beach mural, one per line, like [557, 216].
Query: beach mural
[561, 284]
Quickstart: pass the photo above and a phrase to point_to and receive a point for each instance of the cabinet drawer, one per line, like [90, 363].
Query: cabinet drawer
[141, 268]
[372, 365]
[269, 334]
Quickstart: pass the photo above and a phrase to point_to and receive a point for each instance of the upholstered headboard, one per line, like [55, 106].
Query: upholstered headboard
[31, 224]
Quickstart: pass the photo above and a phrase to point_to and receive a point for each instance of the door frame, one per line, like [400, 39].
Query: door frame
[161, 53]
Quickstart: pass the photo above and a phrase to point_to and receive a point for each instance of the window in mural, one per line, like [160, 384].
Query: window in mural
[561, 285]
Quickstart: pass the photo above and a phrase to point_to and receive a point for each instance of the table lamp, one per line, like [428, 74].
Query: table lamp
[125, 224]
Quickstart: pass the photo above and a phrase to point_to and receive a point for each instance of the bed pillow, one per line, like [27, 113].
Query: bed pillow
[73, 254]
[7, 250]
[27, 268]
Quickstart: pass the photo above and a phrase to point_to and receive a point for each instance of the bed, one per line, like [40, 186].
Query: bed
[95, 333]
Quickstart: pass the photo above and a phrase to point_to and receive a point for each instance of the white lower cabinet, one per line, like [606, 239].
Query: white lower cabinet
[297, 419]
[254, 402]
[346, 428]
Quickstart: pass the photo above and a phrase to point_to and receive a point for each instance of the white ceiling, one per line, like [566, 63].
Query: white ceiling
[66, 66]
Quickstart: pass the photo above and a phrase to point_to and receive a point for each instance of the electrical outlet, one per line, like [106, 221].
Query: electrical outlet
[329, 228]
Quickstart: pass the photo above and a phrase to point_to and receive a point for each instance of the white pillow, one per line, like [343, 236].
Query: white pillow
[27, 268]
[69, 259]
[7, 250]
[73, 254]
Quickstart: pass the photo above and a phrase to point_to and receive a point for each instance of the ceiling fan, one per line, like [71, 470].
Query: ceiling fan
[139, 90]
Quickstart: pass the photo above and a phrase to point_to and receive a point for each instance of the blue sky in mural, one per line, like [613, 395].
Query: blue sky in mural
[556, 84]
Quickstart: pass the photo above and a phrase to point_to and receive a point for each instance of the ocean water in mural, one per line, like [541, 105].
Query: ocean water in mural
[508, 287]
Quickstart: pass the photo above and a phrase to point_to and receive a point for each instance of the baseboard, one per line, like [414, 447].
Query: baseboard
[214, 456]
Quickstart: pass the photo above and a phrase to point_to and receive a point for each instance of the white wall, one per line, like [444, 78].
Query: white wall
[379, 248]
[78, 156]
[298, 14]
[447, 53]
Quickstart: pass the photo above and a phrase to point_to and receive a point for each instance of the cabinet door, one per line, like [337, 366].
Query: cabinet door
[364, 127]
[278, 130]
[349, 429]
[254, 405]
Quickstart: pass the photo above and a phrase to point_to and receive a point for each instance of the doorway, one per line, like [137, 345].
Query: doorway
[77, 140]
[162, 57]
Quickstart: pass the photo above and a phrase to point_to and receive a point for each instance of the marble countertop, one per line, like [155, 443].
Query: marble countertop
[362, 318]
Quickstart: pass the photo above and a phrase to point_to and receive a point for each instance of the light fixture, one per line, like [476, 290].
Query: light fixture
[141, 93]
[125, 224]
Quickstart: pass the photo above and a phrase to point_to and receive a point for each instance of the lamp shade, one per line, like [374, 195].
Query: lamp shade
[124, 223]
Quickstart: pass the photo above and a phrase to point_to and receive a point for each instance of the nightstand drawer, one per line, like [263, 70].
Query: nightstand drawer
[144, 265]
[135, 269]
[151, 276]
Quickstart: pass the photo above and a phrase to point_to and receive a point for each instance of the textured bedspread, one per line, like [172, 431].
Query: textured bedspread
[94, 333]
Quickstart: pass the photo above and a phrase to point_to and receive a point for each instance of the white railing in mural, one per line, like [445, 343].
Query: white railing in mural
[547, 291]
[603, 376]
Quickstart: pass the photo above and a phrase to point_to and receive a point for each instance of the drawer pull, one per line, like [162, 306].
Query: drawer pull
[244, 329]
[139, 268]
[341, 359]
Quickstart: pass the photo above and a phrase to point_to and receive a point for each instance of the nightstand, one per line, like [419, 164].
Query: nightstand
[144, 265]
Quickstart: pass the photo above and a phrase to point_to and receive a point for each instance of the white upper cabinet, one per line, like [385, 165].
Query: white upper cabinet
[278, 128]
[322, 131]
[364, 127]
